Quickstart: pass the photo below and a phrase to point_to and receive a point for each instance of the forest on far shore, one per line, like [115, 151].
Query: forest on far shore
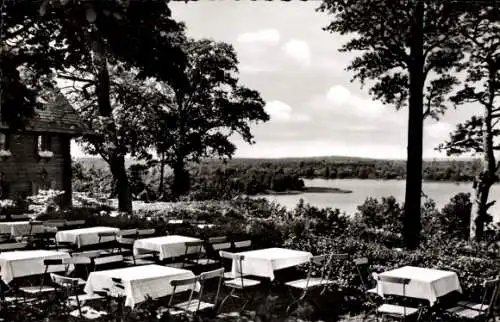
[215, 179]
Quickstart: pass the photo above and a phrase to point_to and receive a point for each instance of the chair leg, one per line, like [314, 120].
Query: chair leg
[296, 301]
[228, 296]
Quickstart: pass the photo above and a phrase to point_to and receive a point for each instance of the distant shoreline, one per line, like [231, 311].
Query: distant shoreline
[306, 190]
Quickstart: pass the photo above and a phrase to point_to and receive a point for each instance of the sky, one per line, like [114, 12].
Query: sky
[315, 109]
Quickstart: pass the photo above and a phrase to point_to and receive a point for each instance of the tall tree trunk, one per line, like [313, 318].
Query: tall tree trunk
[487, 177]
[411, 222]
[181, 184]
[115, 157]
[117, 166]
[162, 175]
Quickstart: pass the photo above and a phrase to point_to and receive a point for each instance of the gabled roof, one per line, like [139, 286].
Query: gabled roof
[57, 117]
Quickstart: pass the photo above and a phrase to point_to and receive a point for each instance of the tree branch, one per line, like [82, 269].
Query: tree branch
[75, 78]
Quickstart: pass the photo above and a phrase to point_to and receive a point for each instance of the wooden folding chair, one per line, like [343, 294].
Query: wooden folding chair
[70, 289]
[238, 283]
[309, 283]
[127, 250]
[42, 288]
[192, 253]
[395, 310]
[110, 244]
[194, 305]
[483, 310]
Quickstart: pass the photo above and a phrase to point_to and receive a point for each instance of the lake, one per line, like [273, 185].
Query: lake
[440, 192]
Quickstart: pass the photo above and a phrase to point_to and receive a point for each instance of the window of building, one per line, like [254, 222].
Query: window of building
[44, 143]
[4, 141]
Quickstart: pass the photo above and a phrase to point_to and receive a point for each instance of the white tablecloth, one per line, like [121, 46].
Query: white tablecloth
[85, 236]
[264, 262]
[138, 281]
[167, 246]
[22, 228]
[28, 262]
[426, 283]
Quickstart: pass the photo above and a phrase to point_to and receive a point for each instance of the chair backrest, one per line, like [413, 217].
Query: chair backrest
[490, 295]
[361, 264]
[75, 223]
[89, 254]
[360, 261]
[127, 232]
[19, 217]
[146, 232]
[205, 276]
[104, 234]
[104, 260]
[242, 244]
[78, 260]
[221, 246]
[64, 281]
[394, 280]
[229, 255]
[12, 246]
[55, 223]
[34, 223]
[107, 234]
[217, 240]
[196, 246]
[185, 281]
[125, 241]
[216, 273]
[190, 283]
[52, 262]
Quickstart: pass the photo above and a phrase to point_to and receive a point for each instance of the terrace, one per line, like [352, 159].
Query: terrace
[104, 268]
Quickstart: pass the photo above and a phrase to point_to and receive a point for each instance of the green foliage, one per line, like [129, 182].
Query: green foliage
[385, 215]
[203, 115]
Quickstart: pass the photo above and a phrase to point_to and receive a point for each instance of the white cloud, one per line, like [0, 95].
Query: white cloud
[318, 147]
[338, 95]
[340, 99]
[255, 69]
[270, 36]
[299, 51]
[282, 112]
[439, 130]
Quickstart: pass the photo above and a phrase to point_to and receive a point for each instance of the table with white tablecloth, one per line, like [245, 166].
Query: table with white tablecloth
[23, 228]
[264, 262]
[425, 283]
[167, 246]
[139, 282]
[28, 263]
[85, 236]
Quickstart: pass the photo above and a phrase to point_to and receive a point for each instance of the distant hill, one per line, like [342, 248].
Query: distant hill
[101, 164]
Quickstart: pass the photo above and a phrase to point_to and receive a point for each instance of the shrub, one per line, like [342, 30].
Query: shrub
[386, 214]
